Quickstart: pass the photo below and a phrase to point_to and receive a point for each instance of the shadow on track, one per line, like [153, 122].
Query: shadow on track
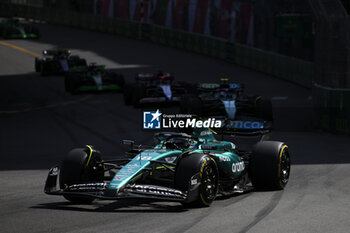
[140, 206]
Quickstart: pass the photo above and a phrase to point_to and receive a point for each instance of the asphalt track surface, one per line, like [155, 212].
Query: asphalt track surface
[40, 123]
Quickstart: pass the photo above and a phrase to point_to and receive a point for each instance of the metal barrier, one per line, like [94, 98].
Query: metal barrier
[332, 108]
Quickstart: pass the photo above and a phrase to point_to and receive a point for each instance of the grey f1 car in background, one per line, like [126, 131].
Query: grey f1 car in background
[92, 78]
[226, 100]
[57, 62]
[155, 88]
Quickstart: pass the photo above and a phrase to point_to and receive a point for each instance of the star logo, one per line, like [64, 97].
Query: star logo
[156, 115]
[151, 120]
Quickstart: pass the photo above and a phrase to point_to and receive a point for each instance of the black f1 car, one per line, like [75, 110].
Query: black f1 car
[57, 62]
[92, 78]
[154, 88]
[17, 29]
[226, 100]
[187, 168]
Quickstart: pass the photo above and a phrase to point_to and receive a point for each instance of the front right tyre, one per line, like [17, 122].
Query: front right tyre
[201, 169]
[270, 165]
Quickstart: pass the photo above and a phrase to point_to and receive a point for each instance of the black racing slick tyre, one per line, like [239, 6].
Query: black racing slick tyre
[193, 170]
[35, 31]
[127, 94]
[118, 79]
[270, 165]
[37, 65]
[137, 95]
[44, 68]
[81, 165]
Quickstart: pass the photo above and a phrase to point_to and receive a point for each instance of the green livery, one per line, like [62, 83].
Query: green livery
[16, 29]
[188, 168]
[92, 78]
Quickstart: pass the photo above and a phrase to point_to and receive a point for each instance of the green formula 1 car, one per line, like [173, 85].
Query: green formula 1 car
[16, 29]
[188, 168]
[92, 78]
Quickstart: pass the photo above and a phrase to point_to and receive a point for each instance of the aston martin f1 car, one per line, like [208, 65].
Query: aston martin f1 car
[188, 168]
[226, 100]
[16, 29]
[92, 78]
[154, 88]
[57, 62]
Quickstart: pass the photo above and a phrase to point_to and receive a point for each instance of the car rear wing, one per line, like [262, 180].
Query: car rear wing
[51, 52]
[245, 128]
[225, 86]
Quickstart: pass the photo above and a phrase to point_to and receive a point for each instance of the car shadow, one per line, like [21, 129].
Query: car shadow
[138, 205]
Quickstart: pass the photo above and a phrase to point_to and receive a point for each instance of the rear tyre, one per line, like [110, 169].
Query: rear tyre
[35, 31]
[127, 94]
[270, 165]
[118, 79]
[207, 172]
[137, 95]
[44, 68]
[37, 65]
[80, 166]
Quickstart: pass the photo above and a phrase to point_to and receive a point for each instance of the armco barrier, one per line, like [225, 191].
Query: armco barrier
[332, 108]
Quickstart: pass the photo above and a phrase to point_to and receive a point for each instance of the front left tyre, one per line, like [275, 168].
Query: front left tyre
[80, 166]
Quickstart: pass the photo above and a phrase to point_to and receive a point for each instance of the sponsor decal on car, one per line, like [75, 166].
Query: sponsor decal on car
[238, 167]
[153, 189]
[194, 181]
[245, 125]
[170, 159]
[224, 159]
